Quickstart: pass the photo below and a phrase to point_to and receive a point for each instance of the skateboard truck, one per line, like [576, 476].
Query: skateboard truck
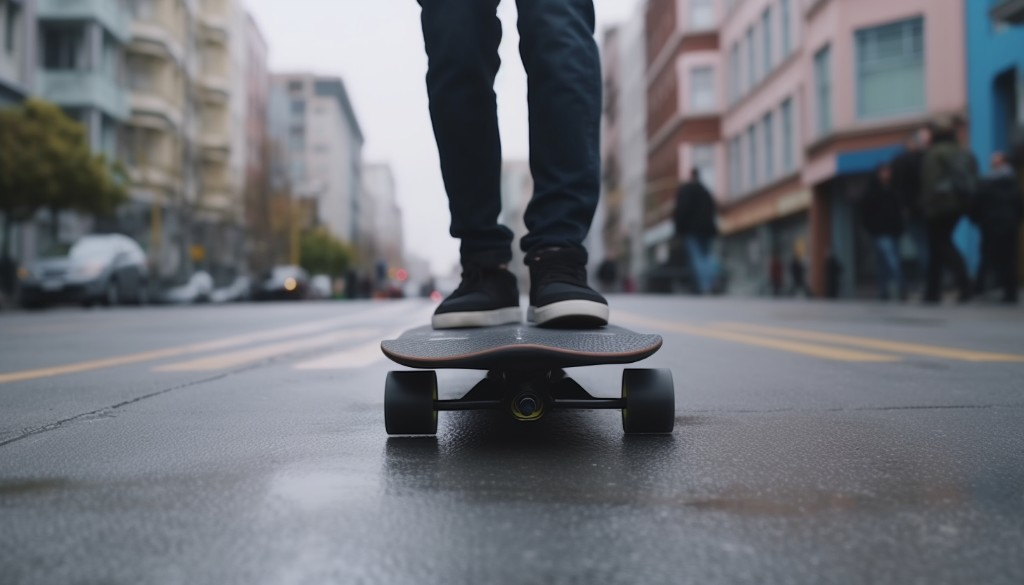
[411, 404]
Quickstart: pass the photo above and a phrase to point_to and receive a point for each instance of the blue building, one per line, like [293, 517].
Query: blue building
[995, 89]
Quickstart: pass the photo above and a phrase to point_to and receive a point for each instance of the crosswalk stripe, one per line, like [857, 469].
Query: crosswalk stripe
[877, 344]
[813, 350]
[359, 356]
[228, 360]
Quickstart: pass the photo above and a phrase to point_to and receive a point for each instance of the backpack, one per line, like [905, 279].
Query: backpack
[955, 189]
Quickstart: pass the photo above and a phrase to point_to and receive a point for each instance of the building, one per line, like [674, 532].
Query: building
[313, 121]
[382, 240]
[995, 69]
[684, 80]
[516, 192]
[817, 95]
[159, 138]
[624, 145]
[258, 188]
[17, 50]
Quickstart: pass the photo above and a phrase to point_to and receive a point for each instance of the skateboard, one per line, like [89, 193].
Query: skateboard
[525, 375]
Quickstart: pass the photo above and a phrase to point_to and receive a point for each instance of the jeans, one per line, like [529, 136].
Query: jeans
[999, 253]
[943, 254]
[917, 229]
[888, 263]
[564, 98]
[702, 265]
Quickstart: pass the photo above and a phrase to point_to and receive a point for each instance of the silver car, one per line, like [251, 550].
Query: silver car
[110, 269]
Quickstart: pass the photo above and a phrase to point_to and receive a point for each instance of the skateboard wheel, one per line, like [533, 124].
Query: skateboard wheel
[650, 400]
[409, 403]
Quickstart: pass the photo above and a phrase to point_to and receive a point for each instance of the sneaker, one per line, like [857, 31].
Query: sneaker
[559, 294]
[486, 297]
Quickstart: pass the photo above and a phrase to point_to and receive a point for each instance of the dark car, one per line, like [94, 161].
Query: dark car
[283, 282]
[109, 269]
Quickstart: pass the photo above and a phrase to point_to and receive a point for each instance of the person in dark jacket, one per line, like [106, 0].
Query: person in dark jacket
[948, 179]
[695, 224]
[998, 209]
[907, 169]
[882, 215]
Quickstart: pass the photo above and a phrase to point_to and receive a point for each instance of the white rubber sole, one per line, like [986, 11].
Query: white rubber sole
[589, 313]
[477, 318]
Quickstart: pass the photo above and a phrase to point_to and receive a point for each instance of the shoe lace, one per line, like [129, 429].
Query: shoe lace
[559, 270]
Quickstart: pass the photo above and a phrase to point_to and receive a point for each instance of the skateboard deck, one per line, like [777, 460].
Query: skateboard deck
[518, 347]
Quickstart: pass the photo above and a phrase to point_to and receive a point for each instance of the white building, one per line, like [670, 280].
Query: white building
[379, 213]
[323, 144]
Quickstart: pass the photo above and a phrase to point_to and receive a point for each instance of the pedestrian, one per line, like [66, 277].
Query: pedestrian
[948, 182]
[798, 275]
[833, 274]
[695, 225]
[907, 170]
[775, 277]
[607, 274]
[560, 56]
[997, 210]
[882, 215]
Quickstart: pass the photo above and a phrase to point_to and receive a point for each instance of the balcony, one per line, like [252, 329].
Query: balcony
[155, 40]
[146, 105]
[109, 13]
[88, 89]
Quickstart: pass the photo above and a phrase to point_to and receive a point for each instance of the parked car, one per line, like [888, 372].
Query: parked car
[284, 282]
[239, 290]
[198, 289]
[320, 287]
[103, 268]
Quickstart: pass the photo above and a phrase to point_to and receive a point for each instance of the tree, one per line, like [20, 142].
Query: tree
[322, 253]
[46, 163]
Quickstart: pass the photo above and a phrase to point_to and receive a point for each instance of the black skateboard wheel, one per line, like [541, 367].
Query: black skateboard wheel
[409, 403]
[650, 399]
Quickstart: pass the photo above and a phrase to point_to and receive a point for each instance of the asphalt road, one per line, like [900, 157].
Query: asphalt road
[814, 443]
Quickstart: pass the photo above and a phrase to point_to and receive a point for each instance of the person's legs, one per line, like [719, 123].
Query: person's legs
[918, 231]
[462, 38]
[698, 263]
[937, 235]
[1010, 274]
[564, 82]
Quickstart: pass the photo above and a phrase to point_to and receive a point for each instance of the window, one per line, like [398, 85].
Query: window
[788, 133]
[702, 89]
[297, 143]
[752, 180]
[768, 133]
[702, 14]
[140, 73]
[766, 38]
[704, 161]
[63, 47]
[751, 60]
[735, 73]
[11, 27]
[735, 167]
[298, 108]
[142, 9]
[890, 69]
[785, 28]
[823, 88]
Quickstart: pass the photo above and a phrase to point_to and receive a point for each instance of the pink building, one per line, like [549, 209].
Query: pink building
[817, 94]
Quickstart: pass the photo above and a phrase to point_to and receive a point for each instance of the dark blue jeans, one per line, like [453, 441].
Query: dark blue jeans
[564, 83]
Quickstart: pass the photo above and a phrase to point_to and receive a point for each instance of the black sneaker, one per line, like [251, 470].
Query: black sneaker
[486, 297]
[559, 294]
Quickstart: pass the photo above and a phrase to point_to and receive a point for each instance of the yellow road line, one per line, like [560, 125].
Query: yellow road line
[813, 350]
[246, 356]
[147, 356]
[350, 358]
[877, 344]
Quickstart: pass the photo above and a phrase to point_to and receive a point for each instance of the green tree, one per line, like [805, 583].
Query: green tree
[322, 253]
[46, 163]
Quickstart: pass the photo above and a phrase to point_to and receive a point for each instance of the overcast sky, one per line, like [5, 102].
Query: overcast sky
[376, 46]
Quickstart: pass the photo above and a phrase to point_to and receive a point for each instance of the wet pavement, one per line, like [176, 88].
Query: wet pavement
[814, 443]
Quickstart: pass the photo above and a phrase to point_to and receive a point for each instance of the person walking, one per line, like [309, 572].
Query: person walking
[998, 209]
[882, 215]
[695, 225]
[563, 69]
[948, 182]
[907, 171]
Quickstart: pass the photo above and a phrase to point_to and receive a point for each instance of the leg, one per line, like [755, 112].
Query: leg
[933, 290]
[695, 253]
[564, 81]
[462, 38]
[881, 267]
